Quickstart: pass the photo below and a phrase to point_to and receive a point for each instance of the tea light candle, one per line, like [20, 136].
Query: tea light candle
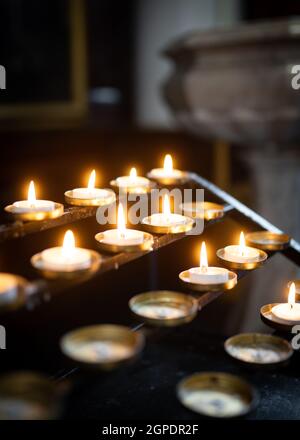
[32, 204]
[167, 171]
[133, 181]
[241, 253]
[290, 311]
[205, 274]
[66, 258]
[166, 218]
[122, 236]
[90, 192]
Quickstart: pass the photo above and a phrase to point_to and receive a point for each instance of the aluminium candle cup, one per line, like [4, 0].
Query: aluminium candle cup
[154, 307]
[13, 291]
[108, 198]
[273, 321]
[137, 190]
[245, 265]
[203, 210]
[145, 246]
[28, 395]
[36, 215]
[259, 350]
[268, 241]
[179, 179]
[178, 228]
[184, 277]
[41, 267]
[102, 347]
[217, 395]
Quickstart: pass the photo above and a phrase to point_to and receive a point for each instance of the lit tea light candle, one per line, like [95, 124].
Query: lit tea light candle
[241, 253]
[90, 192]
[32, 204]
[66, 258]
[122, 236]
[288, 312]
[205, 274]
[90, 195]
[133, 182]
[166, 218]
[167, 174]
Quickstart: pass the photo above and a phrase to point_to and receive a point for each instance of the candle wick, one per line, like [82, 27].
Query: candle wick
[292, 305]
[203, 269]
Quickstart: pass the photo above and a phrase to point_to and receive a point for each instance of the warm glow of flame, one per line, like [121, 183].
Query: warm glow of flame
[68, 244]
[121, 221]
[203, 258]
[31, 193]
[133, 174]
[292, 294]
[166, 206]
[168, 164]
[242, 243]
[92, 180]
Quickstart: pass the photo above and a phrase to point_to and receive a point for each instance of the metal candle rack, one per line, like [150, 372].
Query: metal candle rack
[233, 207]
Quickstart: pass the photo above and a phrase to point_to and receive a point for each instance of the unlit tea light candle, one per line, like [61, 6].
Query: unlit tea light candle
[241, 253]
[66, 258]
[32, 204]
[205, 274]
[288, 312]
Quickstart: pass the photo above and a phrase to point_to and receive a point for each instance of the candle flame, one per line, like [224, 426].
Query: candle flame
[203, 258]
[292, 294]
[121, 221]
[68, 244]
[168, 164]
[92, 180]
[166, 206]
[31, 193]
[242, 243]
[133, 174]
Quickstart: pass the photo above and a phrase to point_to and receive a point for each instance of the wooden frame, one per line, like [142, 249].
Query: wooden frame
[59, 112]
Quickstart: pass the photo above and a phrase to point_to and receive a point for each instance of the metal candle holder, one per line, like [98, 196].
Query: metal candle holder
[168, 229]
[203, 210]
[143, 189]
[243, 265]
[41, 267]
[213, 395]
[259, 349]
[184, 277]
[268, 241]
[36, 215]
[107, 199]
[117, 345]
[15, 296]
[152, 307]
[273, 321]
[180, 179]
[297, 286]
[146, 244]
